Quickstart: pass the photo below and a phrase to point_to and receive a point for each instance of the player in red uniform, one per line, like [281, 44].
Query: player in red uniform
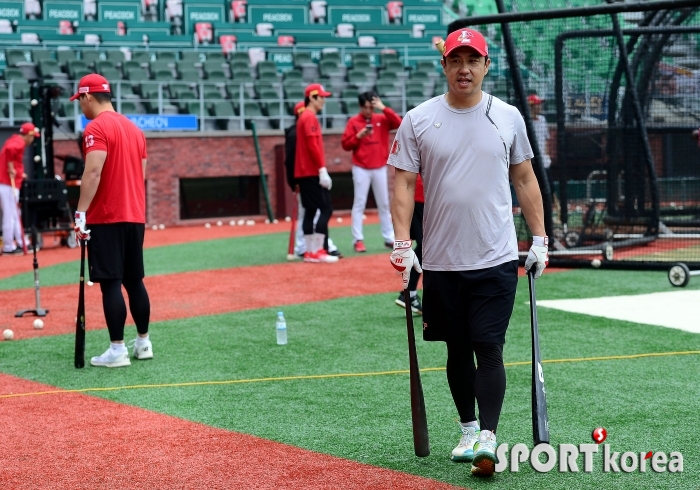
[113, 204]
[11, 177]
[312, 176]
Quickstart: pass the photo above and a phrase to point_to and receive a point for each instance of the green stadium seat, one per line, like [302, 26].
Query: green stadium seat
[212, 93]
[216, 76]
[361, 58]
[130, 65]
[159, 65]
[274, 111]
[162, 75]
[225, 113]
[91, 56]
[67, 109]
[269, 77]
[301, 57]
[267, 94]
[293, 75]
[194, 107]
[191, 75]
[295, 94]
[420, 76]
[331, 56]
[242, 75]
[191, 57]
[141, 57]
[385, 88]
[216, 56]
[362, 65]
[335, 114]
[168, 56]
[425, 66]
[175, 87]
[65, 55]
[41, 54]
[20, 112]
[239, 65]
[110, 73]
[252, 111]
[48, 66]
[129, 107]
[349, 95]
[136, 74]
[99, 65]
[393, 65]
[75, 65]
[116, 56]
[14, 74]
[239, 56]
[328, 67]
[14, 56]
[357, 77]
[388, 75]
[267, 66]
[78, 74]
[385, 57]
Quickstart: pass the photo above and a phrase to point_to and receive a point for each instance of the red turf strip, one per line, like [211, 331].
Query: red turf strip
[74, 441]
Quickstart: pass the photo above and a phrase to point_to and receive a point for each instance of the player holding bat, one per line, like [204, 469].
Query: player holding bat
[467, 145]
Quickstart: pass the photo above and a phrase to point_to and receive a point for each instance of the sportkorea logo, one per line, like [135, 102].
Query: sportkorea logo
[465, 37]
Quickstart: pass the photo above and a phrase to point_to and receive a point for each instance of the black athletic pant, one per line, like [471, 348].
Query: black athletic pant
[313, 198]
[485, 384]
[417, 235]
[115, 307]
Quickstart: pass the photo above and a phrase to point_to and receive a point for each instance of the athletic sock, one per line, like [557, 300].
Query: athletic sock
[117, 348]
[473, 423]
[413, 293]
[141, 340]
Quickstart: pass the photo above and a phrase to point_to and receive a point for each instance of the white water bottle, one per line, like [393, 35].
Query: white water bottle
[281, 329]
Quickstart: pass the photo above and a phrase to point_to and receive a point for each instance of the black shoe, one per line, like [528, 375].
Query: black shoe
[17, 251]
[336, 253]
[389, 245]
[416, 306]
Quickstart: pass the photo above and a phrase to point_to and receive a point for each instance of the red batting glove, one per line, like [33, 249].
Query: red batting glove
[81, 233]
[403, 258]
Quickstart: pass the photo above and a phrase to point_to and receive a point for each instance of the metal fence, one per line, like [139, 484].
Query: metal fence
[621, 94]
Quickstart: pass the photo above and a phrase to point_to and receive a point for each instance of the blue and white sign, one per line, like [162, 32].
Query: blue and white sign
[154, 122]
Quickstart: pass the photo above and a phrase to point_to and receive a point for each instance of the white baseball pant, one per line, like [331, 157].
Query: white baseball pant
[300, 243]
[362, 178]
[11, 227]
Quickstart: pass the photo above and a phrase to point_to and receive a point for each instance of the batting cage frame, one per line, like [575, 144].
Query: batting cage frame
[628, 219]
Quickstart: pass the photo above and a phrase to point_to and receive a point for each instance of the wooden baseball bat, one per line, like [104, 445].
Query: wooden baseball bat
[80, 320]
[293, 230]
[540, 421]
[421, 443]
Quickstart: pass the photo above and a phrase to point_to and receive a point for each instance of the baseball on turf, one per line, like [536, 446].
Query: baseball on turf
[207, 225]
[287, 219]
[241, 222]
[155, 227]
[232, 222]
[275, 221]
[90, 283]
[8, 334]
[161, 226]
[38, 324]
[34, 102]
[595, 263]
[339, 219]
[267, 221]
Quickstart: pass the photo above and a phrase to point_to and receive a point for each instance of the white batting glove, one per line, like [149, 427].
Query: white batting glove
[324, 179]
[403, 258]
[538, 255]
[81, 233]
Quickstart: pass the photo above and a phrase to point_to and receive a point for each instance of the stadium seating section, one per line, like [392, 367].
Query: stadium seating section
[234, 61]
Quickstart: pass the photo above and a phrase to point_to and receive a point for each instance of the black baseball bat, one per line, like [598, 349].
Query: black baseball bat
[540, 421]
[80, 319]
[421, 443]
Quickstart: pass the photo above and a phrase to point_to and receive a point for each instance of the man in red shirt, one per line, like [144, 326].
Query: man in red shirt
[113, 204]
[367, 136]
[312, 176]
[11, 177]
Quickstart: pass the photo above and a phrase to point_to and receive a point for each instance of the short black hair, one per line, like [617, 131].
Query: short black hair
[102, 97]
[307, 100]
[365, 97]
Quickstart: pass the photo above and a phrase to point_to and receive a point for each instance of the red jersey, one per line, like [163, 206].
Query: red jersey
[418, 196]
[12, 151]
[309, 157]
[121, 194]
[371, 151]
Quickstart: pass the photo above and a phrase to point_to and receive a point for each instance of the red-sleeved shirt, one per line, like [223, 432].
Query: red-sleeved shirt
[418, 196]
[12, 151]
[309, 156]
[121, 193]
[371, 151]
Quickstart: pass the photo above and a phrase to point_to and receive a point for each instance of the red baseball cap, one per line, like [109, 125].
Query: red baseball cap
[465, 37]
[316, 89]
[92, 84]
[29, 128]
[299, 108]
[534, 99]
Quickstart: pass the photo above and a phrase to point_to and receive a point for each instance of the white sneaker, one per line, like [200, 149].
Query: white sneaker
[112, 359]
[485, 459]
[142, 350]
[465, 449]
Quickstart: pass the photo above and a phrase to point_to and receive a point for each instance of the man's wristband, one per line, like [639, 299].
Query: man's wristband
[402, 244]
[540, 241]
[80, 215]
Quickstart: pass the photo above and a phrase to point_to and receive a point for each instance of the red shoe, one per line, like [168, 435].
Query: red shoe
[360, 247]
[325, 257]
[311, 257]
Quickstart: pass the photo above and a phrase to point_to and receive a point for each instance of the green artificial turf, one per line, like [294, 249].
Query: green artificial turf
[204, 255]
[645, 404]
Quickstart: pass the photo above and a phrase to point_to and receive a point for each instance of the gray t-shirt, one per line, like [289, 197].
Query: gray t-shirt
[464, 160]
